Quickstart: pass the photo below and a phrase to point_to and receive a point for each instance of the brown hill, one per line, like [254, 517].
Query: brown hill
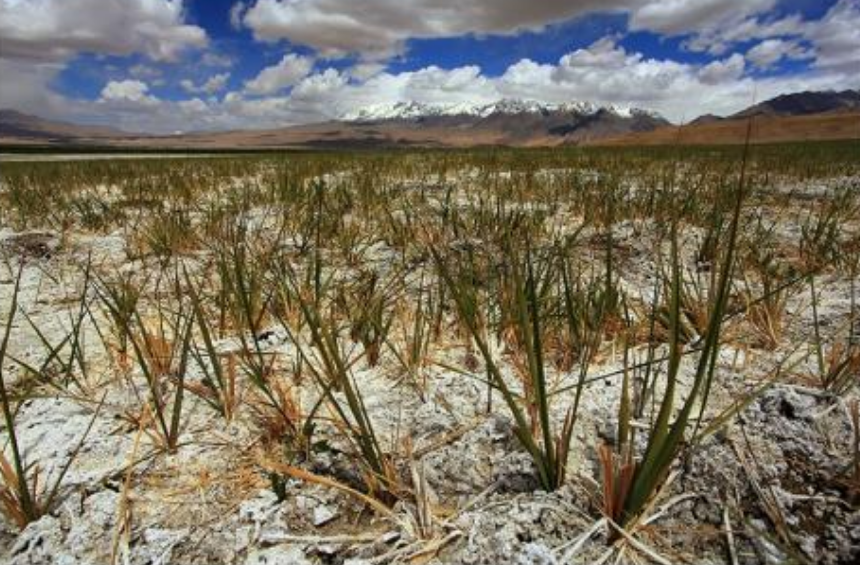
[765, 129]
[805, 103]
[520, 128]
[27, 128]
[781, 119]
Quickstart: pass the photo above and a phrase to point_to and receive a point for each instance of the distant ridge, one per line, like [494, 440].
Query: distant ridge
[14, 124]
[795, 104]
[805, 103]
[706, 119]
[505, 122]
[516, 123]
[801, 116]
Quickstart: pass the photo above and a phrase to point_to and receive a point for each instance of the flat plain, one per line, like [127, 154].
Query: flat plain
[562, 355]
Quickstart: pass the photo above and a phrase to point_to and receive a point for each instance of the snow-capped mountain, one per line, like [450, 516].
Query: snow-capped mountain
[504, 122]
[514, 123]
[509, 107]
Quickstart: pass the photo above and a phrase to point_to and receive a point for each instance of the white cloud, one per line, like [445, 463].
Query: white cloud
[127, 91]
[56, 30]
[770, 51]
[319, 85]
[237, 12]
[378, 29]
[836, 37]
[460, 85]
[364, 71]
[676, 17]
[726, 70]
[25, 86]
[194, 105]
[213, 84]
[604, 73]
[211, 59]
[144, 71]
[39, 37]
[718, 39]
[602, 54]
[38, 43]
[831, 42]
[290, 70]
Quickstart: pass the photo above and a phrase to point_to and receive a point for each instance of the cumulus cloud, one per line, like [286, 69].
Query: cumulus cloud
[213, 84]
[290, 70]
[726, 70]
[56, 30]
[211, 59]
[144, 71]
[128, 91]
[603, 54]
[770, 51]
[605, 73]
[25, 86]
[433, 85]
[679, 91]
[319, 85]
[836, 37]
[675, 17]
[378, 29]
[39, 38]
[364, 71]
[39, 43]
[831, 42]
[237, 12]
[717, 40]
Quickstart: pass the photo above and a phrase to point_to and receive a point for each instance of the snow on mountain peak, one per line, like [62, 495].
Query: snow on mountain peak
[413, 110]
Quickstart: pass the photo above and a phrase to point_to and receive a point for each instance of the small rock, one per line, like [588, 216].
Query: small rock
[707, 512]
[327, 550]
[98, 518]
[536, 554]
[41, 542]
[323, 515]
[280, 555]
[768, 551]
[516, 473]
[608, 431]
[431, 419]
[35, 244]
[788, 404]
[259, 508]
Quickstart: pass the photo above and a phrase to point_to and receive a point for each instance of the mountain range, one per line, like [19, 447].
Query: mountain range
[804, 103]
[805, 115]
[506, 106]
[801, 116]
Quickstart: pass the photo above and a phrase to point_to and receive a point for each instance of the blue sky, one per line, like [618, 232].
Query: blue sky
[167, 65]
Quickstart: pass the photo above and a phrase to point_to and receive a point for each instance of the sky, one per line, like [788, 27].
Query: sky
[170, 65]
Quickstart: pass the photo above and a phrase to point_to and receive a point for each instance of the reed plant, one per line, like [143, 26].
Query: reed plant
[630, 480]
[547, 446]
[331, 371]
[161, 343]
[25, 495]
